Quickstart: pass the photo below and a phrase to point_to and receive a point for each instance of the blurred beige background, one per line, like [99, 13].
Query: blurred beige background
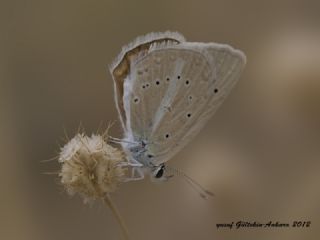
[259, 154]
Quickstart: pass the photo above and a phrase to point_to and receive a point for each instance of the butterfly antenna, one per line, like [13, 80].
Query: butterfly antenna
[204, 193]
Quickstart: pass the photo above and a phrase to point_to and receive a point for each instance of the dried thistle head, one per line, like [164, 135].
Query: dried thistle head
[91, 167]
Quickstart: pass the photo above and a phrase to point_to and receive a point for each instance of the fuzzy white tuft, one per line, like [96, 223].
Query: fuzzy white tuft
[91, 167]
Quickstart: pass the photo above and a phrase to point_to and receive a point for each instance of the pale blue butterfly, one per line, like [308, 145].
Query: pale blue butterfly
[166, 89]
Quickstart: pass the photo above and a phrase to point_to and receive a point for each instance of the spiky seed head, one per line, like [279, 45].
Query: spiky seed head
[91, 167]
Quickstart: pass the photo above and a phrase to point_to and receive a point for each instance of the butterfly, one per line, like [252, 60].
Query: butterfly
[166, 90]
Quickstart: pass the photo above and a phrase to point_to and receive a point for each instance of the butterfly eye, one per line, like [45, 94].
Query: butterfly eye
[159, 173]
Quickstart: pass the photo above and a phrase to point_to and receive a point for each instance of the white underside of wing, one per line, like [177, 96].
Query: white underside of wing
[156, 109]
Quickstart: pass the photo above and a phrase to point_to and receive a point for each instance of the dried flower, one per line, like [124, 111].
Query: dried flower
[91, 167]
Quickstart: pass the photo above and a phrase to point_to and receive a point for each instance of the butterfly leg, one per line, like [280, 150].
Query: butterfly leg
[136, 174]
[136, 170]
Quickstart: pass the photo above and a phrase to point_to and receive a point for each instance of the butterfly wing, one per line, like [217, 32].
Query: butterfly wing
[171, 91]
[228, 64]
[120, 67]
[211, 71]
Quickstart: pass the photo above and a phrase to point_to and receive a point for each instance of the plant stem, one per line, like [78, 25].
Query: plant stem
[107, 201]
